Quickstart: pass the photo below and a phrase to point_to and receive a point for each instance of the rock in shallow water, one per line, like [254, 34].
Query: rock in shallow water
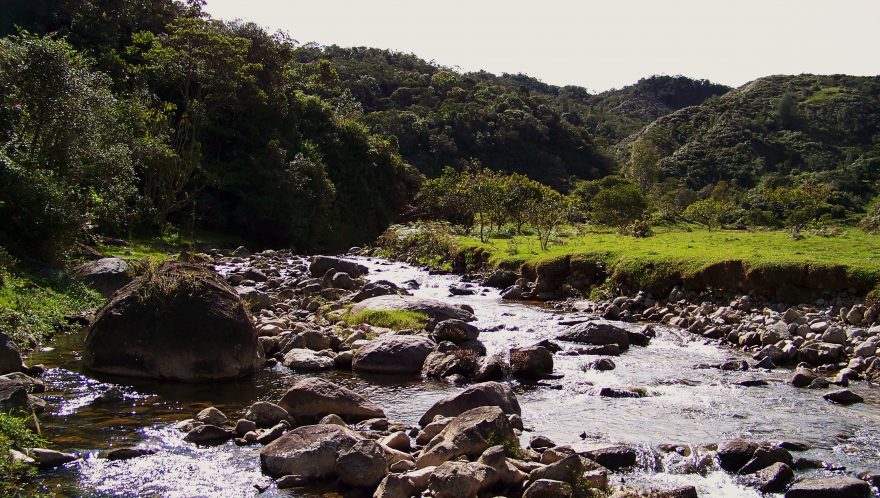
[485, 394]
[313, 398]
[309, 451]
[180, 322]
[830, 487]
[393, 354]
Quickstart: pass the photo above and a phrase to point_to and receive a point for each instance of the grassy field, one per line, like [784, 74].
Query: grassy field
[687, 250]
[698, 248]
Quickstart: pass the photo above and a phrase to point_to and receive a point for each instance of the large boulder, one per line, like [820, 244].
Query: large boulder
[322, 264]
[830, 487]
[437, 310]
[596, 333]
[469, 434]
[455, 331]
[393, 354]
[309, 452]
[485, 394]
[10, 358]
[313, 398]
[106, 275]
[177, 322]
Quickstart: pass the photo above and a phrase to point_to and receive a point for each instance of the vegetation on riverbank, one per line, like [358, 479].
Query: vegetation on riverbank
[14, 435]
[671, 254]
[37, 302]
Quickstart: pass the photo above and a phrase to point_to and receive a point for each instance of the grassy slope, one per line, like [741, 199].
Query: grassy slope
[693, 250]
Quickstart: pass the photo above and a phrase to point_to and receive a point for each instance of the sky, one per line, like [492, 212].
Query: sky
[596, 44]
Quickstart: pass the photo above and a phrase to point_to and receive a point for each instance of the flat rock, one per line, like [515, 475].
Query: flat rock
[596, 333]
[306, 360]
[313, 398]
[830, 487]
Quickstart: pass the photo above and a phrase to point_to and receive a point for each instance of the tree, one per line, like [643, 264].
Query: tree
[618, 206]
[643, 166]
[519, 192]
[709, 212]
[65, 148]
[546, 212]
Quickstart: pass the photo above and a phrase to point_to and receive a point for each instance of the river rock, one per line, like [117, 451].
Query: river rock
[844, 397]
[461, 479]
[547, 488]
[614, 457]
[265, 414]
[830, 487]
[775, 478]
[802, 377]
[127, 453]
[468, 434]
[393, 354]
[363, 465]
[764, 457]
[208, 435]
[106, 275]
[568, 469]
[531, 362]
[180, 322]
[455, 331]
[437, 310]
[211, 416]
[306, 360]
[310, 451]
[10, 357]
[735, 453]
[50, 458]
[596, 333]
[313, 398]
[485, 394]
[322, 264]
[500, 279]
[404, 485]
[254, 298]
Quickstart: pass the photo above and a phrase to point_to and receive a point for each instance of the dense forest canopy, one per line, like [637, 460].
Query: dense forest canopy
[119, 116]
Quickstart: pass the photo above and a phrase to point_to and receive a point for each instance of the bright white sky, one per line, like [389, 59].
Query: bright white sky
[597, 44]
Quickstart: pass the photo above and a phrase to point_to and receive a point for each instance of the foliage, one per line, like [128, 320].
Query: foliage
[871, 221]
[423, 243]
[710, 213]
[546, 212]
[65, 162]
[618, 206]
[389, 319]
[34, 303]
[14, 435]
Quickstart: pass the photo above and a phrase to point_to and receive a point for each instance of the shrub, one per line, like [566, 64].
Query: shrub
[871, 221]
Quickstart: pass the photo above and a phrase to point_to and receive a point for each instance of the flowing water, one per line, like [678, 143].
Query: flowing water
[686, 406]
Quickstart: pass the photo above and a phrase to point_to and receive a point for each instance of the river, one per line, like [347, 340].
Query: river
[686, 406]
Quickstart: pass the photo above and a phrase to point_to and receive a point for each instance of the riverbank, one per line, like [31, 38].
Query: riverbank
[772, 264]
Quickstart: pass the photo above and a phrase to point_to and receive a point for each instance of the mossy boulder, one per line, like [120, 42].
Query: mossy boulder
[178, 321]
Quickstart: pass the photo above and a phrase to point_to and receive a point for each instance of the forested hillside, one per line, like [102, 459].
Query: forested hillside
[121, 117]
[778, 131]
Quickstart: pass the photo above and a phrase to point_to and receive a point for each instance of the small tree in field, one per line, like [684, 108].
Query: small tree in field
[518, 193]
[709, 212]
[618, 206]
[546, 212]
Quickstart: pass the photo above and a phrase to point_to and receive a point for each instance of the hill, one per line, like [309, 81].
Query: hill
[774, 130]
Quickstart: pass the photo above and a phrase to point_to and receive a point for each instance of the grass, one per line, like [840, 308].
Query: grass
[168, 246]
[389, 319]
[696, 249]
[33, 305]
